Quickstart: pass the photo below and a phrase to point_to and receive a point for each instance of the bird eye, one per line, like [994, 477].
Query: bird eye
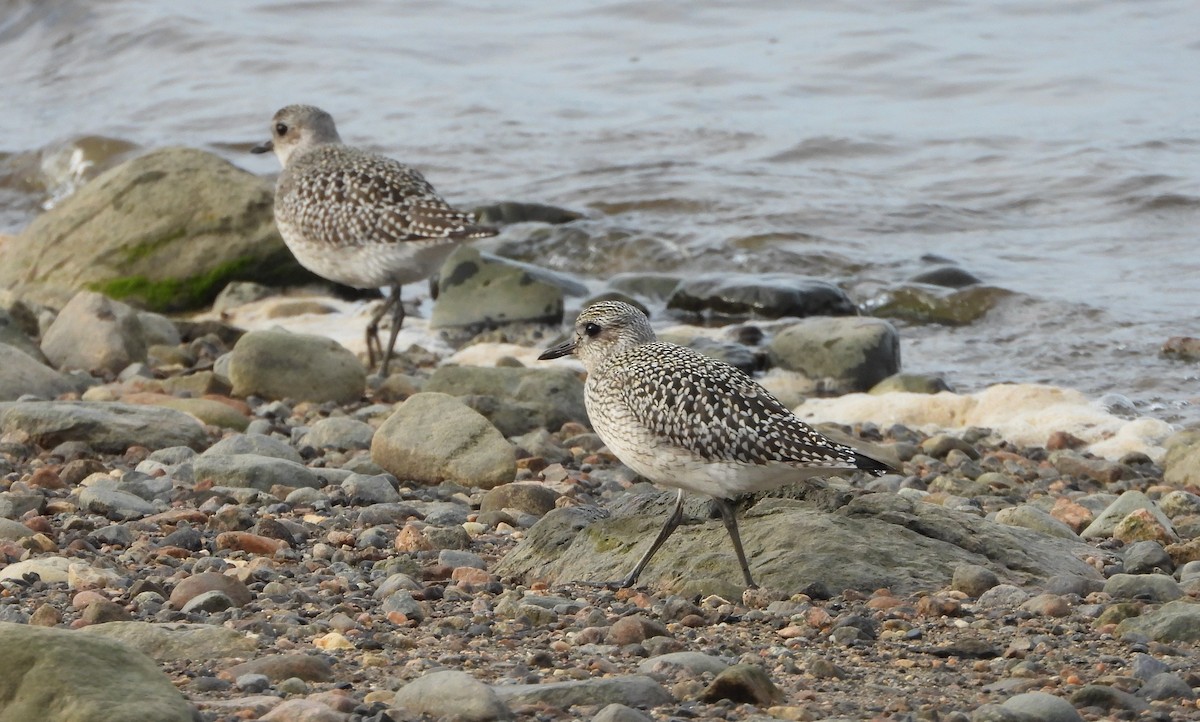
[591, 329]
[281, 129]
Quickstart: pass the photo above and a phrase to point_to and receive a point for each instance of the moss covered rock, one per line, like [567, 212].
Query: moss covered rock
[164, 231]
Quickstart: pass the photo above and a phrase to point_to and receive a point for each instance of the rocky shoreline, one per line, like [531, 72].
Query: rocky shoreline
[211, 519]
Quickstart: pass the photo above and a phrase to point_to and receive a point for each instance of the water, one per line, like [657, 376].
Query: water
[1051, 148]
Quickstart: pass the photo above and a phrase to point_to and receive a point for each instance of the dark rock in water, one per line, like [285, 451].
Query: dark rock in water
[946, 276]
[515, 212]
[166, 230]
[772, 295]
[734, 354]
[483, 292]
[920, 303]
[657, 286]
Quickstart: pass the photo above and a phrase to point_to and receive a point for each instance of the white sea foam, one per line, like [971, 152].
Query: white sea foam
[1025, 414]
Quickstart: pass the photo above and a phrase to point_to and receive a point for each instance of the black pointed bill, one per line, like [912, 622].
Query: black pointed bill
[563, 349]
[263, 147]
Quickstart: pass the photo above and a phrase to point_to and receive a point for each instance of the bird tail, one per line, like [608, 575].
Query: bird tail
[872, 465]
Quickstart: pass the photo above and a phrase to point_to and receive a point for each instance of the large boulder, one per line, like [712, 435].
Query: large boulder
[434, 437]
[55, 675]
[166, 230]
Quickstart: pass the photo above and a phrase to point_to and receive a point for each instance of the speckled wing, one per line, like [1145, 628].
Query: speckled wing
[717, 412]
[345, 197]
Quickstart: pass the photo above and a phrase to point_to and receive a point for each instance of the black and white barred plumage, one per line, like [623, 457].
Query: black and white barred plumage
[688, 421]
[359, 218]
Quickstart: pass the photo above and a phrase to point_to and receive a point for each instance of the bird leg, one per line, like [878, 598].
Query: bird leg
[374, 346]
[672, 523]
[730, 518]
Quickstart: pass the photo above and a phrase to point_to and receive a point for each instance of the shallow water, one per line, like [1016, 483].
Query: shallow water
[1051, 148]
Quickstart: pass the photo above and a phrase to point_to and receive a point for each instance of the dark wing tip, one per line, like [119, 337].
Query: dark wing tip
[872, 465]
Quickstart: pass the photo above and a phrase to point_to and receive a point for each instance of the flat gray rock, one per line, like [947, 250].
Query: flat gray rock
[1177, 621]
[106, 427]
[482, 291]
[66, 676]
[874, 540]
[114, 504]
[840, 354]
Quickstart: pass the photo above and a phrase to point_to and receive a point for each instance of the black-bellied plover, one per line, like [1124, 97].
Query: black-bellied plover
[688, 421]
[359, 218]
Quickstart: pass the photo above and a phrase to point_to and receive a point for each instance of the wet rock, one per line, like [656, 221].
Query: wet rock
[656, 286]
[842, 354]
[165, 230]
[515, 400]
[478, 291]
[252, 471]
[510, 212]
[1184, 348]
[451, 693]
[96, 334]
[530, 498]
[910, 383]
[339, 432]
[106, 427]
[633, 689]
[734, 354]
[743, 683]
[279, 365]
[53, 674]
[771, 295]
[946, 276]
[21, 374]
[920, 303]
[434, 437]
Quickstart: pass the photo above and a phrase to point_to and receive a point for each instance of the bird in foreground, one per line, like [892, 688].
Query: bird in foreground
[359, 218]
[688, 421]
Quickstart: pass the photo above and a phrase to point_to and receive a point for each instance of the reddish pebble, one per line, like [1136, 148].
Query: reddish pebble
[470, 575]
[84, 598]
[250, 543]
[46, 478]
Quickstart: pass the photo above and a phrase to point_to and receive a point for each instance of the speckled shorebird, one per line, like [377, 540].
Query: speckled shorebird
[359, 218]
[688, 421]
